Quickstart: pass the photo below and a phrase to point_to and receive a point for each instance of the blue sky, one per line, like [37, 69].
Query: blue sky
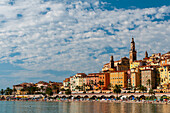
[54, 39]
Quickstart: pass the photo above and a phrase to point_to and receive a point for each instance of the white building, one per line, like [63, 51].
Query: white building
[77, 81]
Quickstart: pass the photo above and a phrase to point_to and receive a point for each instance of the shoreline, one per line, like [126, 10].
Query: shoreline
[96, 101]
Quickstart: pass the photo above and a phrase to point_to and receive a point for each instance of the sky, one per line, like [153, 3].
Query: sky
[54, 39]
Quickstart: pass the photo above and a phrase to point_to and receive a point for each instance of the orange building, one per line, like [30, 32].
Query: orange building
[104, 80]
[92, 78]
[119, 78]
[66, 83]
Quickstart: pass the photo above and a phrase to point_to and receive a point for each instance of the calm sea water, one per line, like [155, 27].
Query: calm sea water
[80, 107]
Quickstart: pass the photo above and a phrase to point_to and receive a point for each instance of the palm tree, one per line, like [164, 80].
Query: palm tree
[8, 91]
[2, 91]
[109, 86]
[151, 92]
[84, 87]
[91, 84]
[78, 87]
[148, 82]
[142, 88]
[101, 83]
[42, 88]
[14, 90]
[117, 89]
[134, 88]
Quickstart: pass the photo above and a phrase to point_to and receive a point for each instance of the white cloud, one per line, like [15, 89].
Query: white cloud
[60, 36]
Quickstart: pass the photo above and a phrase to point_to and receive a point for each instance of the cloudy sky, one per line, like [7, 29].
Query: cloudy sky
[54, 39]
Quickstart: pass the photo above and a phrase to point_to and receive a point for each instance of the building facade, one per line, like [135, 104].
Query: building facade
[119, 78]
[164, 76]
[148, 78]
[135, 77]
[77, 81]
[104, 80]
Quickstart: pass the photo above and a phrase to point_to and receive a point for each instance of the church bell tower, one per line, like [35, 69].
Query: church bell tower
[132, 52]
[111, 62]
[146, 54]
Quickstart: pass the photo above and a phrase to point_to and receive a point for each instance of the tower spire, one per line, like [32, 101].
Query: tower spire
[111, 62]
[132, 52]
[146, 54]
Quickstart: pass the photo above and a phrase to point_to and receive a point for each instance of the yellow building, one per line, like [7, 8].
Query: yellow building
[135, 77]
[164, 75]
[119, 78]
[136, 64]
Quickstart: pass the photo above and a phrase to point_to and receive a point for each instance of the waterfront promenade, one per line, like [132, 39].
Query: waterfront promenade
[89, 95]
[113, 94]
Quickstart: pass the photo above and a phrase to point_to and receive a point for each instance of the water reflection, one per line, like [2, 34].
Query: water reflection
[81, 107]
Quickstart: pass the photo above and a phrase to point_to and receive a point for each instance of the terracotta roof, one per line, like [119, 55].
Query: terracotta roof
[92, 76]
[167, 65]
[81, 74]
[118, 71]
[118, 61]
[94, 73]
[106, 64]
[17, 85]
[146, 69]
[146, 66]
[41, 82]
[138, 61]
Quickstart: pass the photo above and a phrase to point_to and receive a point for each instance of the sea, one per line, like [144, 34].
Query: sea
[80, 107]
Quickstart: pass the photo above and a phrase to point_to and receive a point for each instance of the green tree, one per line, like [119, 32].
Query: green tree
[42, 88]
[84, 85]
[22, 89]
[109, 86]
[54, 87]
[151, 92]
[117, 89]
[62, 89]
[32, 90]
[142, 88]
[14, 90]
[91, 81]
[78, 87]
[2, 91]
[134, 88]
[49, 91]
[148, 82]
[101, 83]
[68, 92]
[8, 91]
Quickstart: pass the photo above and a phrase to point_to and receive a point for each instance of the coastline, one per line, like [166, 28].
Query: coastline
[101, 101]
